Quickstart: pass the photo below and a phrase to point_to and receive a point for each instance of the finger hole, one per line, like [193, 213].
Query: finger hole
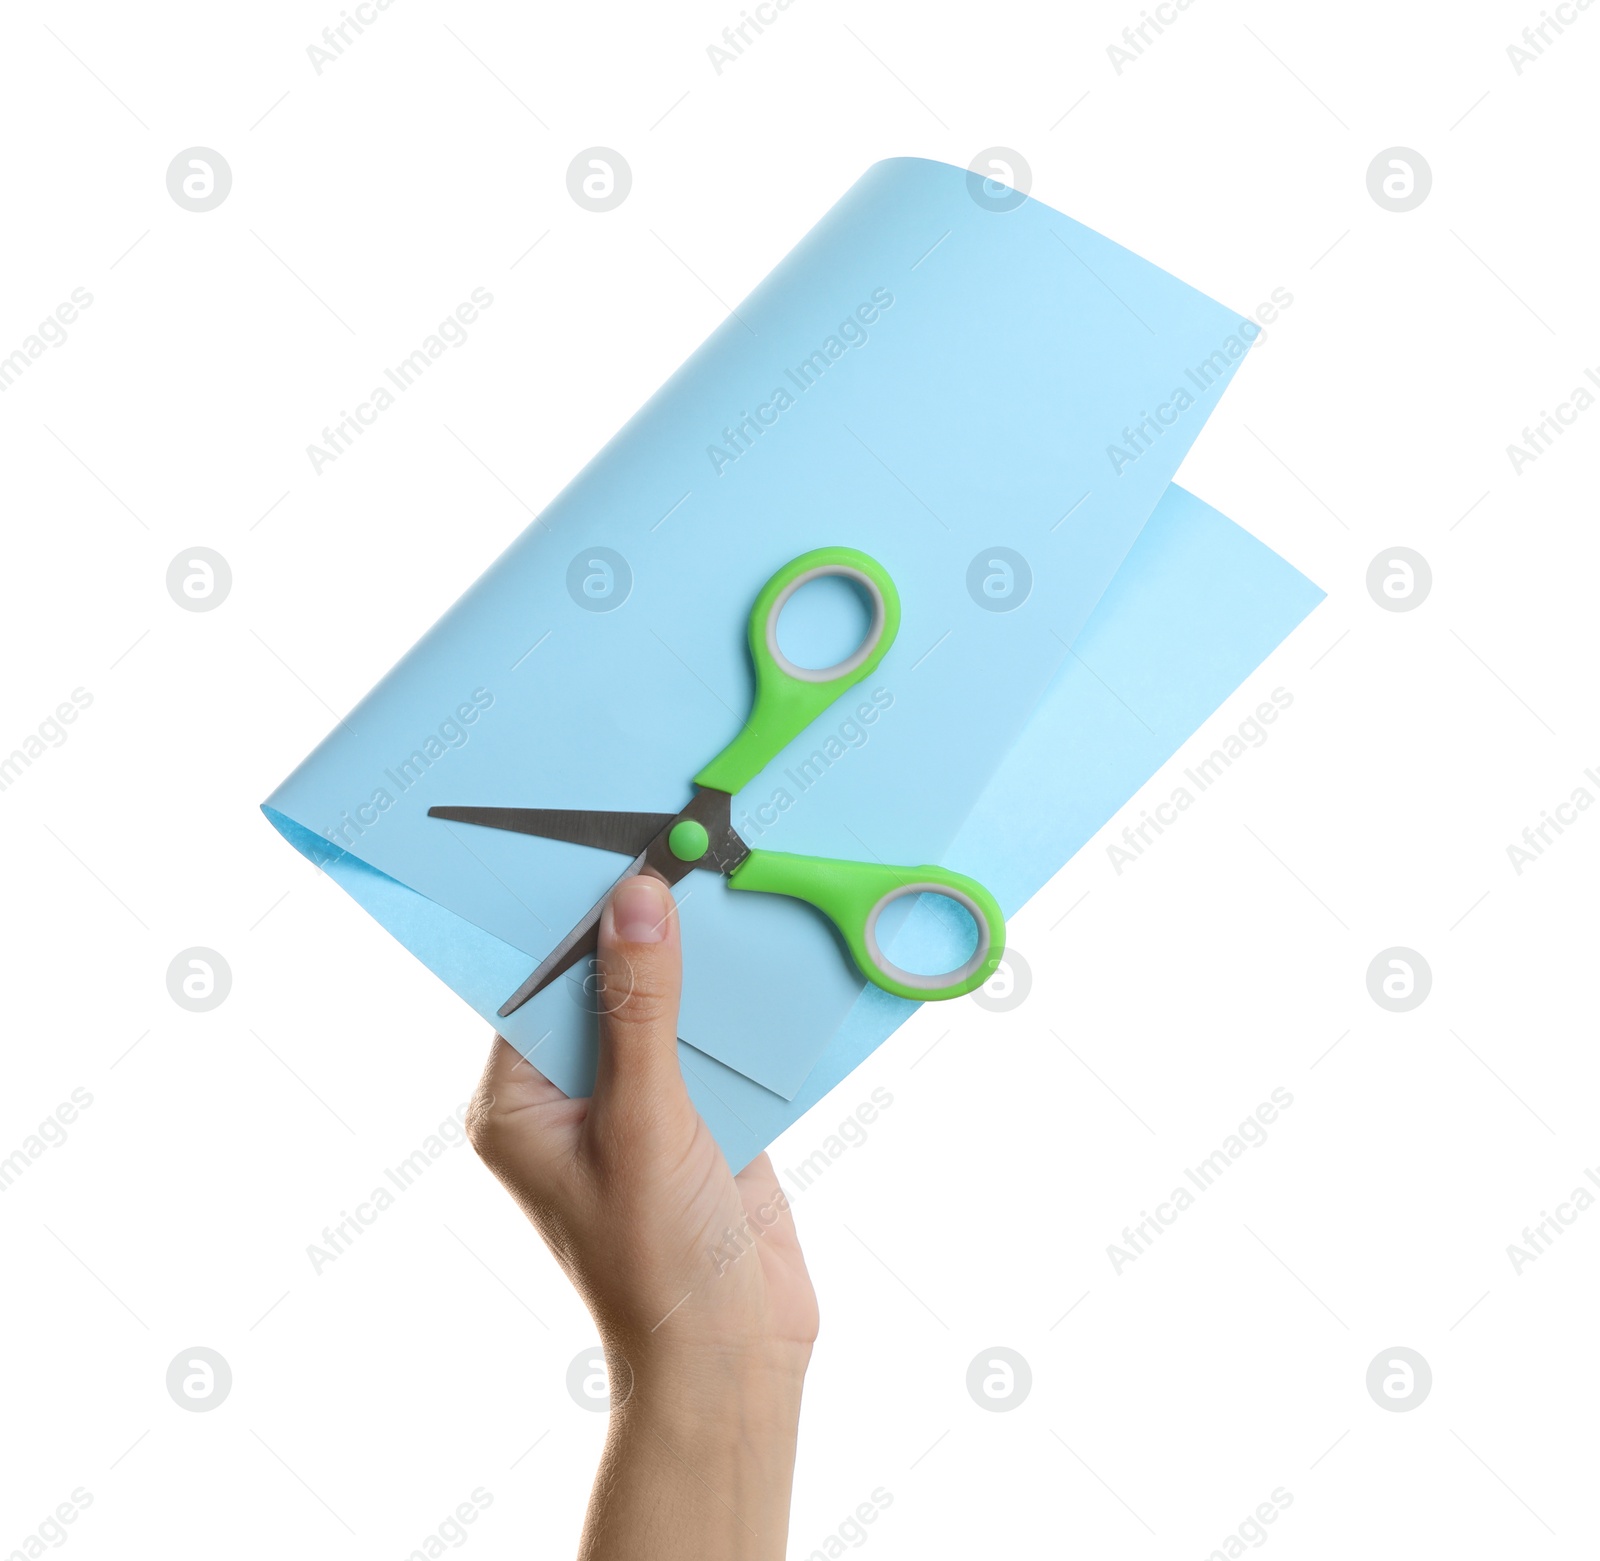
[825, 623]
[944, 931]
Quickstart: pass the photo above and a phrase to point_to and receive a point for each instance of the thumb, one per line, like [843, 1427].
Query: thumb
[641, 966]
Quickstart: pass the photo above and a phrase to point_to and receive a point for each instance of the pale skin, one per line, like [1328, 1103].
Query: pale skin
[693, 1276]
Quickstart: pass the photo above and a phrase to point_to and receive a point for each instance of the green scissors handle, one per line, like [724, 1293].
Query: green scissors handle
[789, 698]
[854, 894]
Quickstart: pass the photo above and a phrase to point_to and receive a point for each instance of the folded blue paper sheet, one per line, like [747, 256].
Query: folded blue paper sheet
[942, 386]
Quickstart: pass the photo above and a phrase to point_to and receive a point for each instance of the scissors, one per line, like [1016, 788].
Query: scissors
[853, 895]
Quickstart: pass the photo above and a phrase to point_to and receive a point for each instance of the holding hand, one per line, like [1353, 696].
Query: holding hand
[694, 1276]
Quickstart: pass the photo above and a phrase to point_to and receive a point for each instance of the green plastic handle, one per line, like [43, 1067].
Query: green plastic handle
[789, 698]
[852, 894]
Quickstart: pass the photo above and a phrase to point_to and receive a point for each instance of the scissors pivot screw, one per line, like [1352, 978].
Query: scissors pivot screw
[688, 840]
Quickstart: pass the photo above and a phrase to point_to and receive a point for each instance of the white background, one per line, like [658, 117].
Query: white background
[367, 202]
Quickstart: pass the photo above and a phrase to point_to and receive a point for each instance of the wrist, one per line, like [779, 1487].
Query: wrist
[708, 1437]
[753, 1390]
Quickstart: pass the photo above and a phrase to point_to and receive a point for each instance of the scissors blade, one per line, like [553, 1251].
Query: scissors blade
[584, 938]
[578, 944]
[725, 852]
[625, 833]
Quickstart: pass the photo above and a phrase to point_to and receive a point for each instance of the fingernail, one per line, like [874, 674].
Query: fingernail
[640, 908]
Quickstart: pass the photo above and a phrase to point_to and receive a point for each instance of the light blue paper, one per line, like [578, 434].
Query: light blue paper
[1019, 382]
[1196, 607]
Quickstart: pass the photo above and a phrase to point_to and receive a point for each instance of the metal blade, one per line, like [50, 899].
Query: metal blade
[625, 833]
[578, 944]
[724, 853]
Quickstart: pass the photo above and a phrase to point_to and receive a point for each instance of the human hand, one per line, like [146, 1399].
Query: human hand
[694, 1276]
